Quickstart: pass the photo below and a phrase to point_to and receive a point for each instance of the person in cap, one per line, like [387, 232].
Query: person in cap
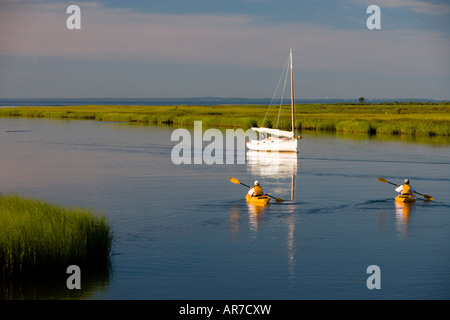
[405, 189]
[256, 190]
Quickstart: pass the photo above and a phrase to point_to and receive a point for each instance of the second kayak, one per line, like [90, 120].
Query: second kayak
[404, 198]
[261, 200]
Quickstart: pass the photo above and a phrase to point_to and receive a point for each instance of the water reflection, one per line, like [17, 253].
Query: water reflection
[279, 171]
[405, 138]
[234, 219]
[275, 167]
[272, 164]
[93, 286]
[255, 214]
[281, 167]
[291, 248]
[402, 215]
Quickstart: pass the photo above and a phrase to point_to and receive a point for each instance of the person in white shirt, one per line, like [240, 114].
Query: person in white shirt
[405, 188]
[257, 190]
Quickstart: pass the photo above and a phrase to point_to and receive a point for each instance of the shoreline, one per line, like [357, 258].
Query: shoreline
[417, 119]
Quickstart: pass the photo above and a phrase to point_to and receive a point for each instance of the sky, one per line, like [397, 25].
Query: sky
[226, 48]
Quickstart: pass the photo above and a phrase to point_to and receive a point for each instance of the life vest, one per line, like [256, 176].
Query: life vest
[257, 191]
[406, 189]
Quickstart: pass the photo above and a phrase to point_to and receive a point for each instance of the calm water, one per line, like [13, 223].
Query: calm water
[186, 232]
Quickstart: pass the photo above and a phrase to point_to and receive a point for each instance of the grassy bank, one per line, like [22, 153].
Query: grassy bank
[37, 237]
[396, 118]
[410, 119]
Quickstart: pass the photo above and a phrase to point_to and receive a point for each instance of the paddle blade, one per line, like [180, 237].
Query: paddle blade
[430, 198]
[382, 180]
[279, 200]
[234, 180]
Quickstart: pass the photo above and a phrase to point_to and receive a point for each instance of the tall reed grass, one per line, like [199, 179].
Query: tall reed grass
[38, 237]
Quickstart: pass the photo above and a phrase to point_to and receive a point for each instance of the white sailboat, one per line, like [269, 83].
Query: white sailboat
[279, 140]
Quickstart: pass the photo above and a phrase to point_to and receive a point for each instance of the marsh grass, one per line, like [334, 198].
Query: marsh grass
[353, 126]
[37, 237]
[430, 119]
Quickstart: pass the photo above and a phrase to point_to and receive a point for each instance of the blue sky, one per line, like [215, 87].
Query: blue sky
[180, 48]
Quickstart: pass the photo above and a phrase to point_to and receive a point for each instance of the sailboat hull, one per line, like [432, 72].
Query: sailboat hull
[273, 145]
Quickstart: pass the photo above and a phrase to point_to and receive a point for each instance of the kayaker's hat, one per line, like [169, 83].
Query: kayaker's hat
[256, 183]
[407, 181]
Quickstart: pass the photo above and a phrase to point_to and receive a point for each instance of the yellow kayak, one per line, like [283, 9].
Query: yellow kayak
[261, 200]
[404, 198]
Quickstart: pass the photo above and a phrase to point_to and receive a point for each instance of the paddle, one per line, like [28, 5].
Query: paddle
[423, 195]
[236, 181]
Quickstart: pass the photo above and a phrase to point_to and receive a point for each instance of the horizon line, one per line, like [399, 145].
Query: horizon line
[212, 98]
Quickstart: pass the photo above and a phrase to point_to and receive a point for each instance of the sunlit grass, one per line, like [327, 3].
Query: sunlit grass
[397, 118]
[37, 237]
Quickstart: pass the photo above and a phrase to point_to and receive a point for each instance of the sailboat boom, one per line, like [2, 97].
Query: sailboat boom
[275, 132]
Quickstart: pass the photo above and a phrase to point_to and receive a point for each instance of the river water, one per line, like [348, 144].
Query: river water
[186, 232]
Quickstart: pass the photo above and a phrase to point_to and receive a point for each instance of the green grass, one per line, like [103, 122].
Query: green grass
[430, 119]
[38, 237]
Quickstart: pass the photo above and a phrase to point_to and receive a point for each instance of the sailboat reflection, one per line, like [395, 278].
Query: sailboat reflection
[276, 168]
[272, 163]
[402, 215]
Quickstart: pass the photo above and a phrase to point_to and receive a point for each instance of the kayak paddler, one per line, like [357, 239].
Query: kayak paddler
[405, 189]
[256, 190]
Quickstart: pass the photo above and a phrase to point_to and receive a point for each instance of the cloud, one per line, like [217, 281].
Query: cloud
[39, 30]
[423, 7]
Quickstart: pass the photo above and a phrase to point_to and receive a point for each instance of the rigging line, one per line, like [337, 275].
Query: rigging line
[284, 72]
[282, 93]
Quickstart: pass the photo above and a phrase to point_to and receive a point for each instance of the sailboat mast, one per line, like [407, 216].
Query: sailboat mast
[292, 93]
